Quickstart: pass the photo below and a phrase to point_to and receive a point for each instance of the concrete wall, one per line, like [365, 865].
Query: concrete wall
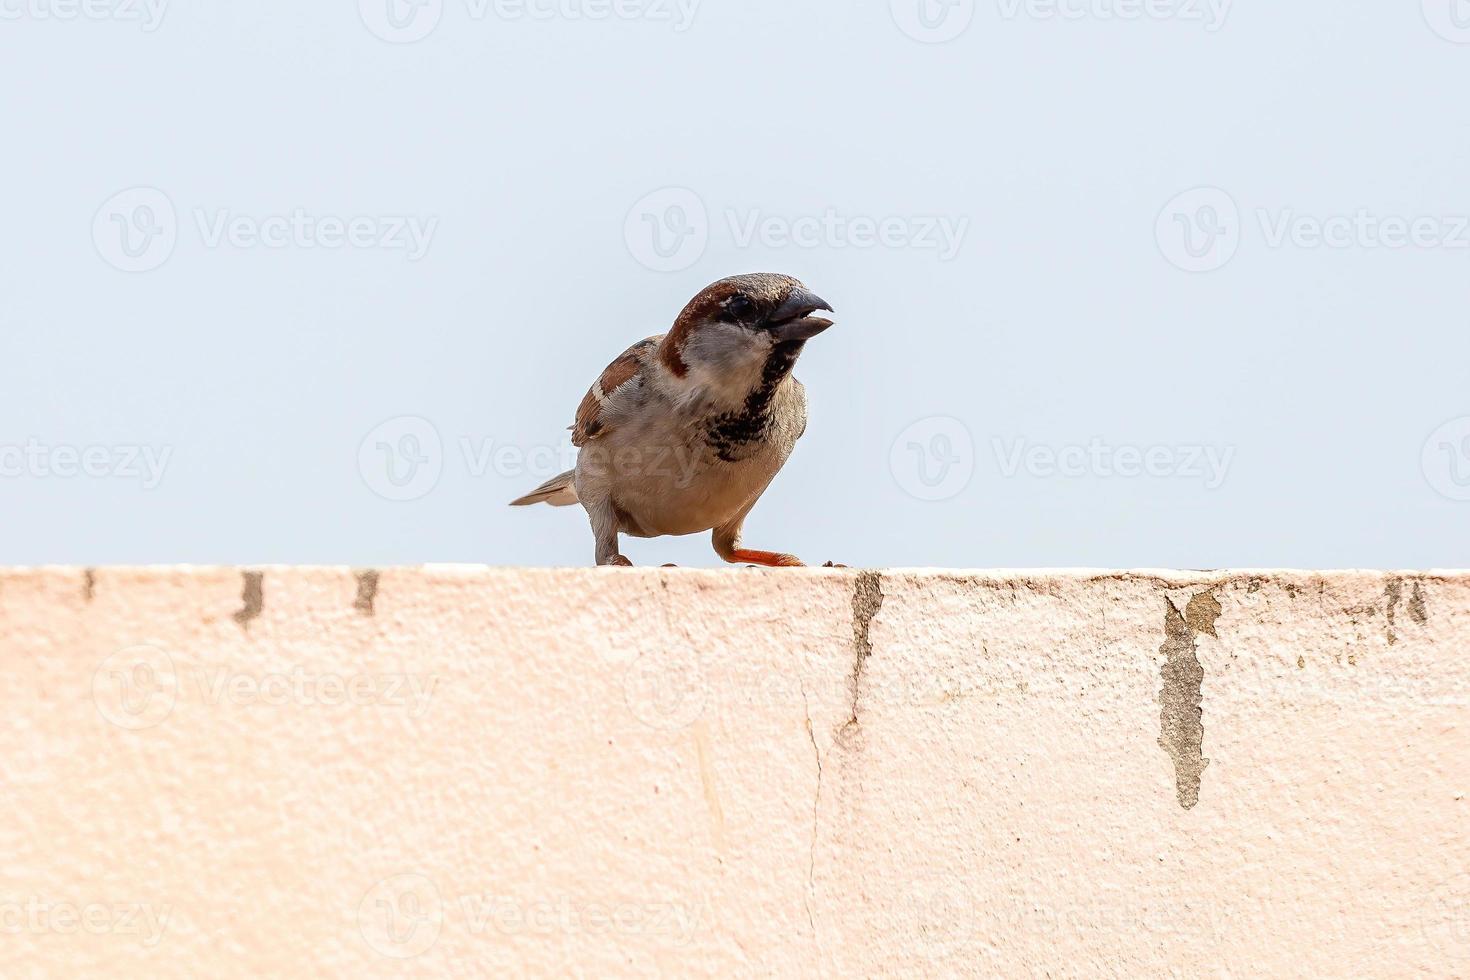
[478, 772]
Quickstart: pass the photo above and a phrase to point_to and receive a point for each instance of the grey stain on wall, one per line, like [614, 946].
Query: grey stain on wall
[253, 596]
[1181, 718]
[867, 599]
[367, 592]
[1393, 591]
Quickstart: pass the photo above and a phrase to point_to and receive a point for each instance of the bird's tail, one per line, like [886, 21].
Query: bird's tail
[559, 491]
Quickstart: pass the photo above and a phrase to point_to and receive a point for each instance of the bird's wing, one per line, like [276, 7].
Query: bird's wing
[601, 409]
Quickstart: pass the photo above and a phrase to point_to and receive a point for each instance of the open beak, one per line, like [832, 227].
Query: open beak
[793, 321]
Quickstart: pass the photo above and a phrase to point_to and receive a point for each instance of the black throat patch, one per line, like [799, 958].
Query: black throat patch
[731, 435]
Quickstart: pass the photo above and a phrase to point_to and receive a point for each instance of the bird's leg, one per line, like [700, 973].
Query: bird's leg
[727, 545]
[605, 530]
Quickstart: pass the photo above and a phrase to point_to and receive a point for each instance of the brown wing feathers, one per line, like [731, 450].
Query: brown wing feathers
[592, 413]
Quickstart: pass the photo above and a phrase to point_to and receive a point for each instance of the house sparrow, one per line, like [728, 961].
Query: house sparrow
[685, 430]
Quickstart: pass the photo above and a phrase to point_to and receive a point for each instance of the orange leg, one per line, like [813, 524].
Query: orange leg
[770, 559]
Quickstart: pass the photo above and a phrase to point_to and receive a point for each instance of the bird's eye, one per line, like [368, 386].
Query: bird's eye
[740, 306]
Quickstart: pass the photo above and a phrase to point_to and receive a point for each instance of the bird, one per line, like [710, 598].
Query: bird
[685, 430]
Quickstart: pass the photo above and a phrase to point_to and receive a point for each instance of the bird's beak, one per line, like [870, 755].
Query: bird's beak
[793, 320]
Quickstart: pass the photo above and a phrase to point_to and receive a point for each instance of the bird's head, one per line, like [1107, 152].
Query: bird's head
[726, 336]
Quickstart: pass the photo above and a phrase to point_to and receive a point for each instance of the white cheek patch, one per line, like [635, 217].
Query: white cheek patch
[727, 361]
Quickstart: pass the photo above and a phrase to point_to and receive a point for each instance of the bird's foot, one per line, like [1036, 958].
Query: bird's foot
[833, 564]
[617, 561]
[764, 559]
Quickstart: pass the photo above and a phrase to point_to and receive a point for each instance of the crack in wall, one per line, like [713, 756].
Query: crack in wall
[252, 594]
[1181, 716]
[89, 584]
[811, 868]
[867, 599]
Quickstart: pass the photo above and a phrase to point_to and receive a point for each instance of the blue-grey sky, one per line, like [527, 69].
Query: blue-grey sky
[1118, 282]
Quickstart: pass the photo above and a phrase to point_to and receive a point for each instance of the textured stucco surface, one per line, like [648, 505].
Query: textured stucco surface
[469, 772]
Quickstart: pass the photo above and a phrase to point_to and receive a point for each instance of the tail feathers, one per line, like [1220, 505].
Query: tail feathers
[559, 491]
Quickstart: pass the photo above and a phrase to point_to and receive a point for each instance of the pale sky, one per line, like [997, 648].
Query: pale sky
[1176, 284]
